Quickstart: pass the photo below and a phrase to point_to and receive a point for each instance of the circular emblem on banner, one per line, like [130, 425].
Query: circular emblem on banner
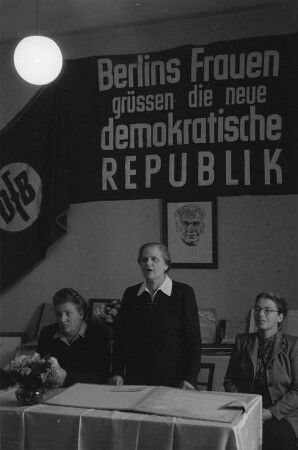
[20, 196]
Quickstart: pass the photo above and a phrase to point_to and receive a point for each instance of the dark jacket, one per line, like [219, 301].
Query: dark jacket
[281, 373]
[87, 360]
[158, 343]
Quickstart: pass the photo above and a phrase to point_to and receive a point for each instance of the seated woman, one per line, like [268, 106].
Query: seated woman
[81, 348]
[266, 363]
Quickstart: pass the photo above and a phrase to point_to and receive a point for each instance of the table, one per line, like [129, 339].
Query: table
[51, 427]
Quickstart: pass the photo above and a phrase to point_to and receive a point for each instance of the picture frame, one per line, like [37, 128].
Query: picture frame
[208, 319]
[9, 342]
[46, 317]
[190, 232]
[96, 308]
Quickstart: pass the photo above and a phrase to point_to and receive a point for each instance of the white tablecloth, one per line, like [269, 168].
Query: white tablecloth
[50, 427]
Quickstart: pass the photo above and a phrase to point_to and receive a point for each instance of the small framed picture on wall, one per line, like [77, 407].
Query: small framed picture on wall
[103, 311]
[190, 232]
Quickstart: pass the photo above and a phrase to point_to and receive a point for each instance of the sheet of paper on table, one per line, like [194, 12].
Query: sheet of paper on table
[218, 407]
[97, 396]
[215, 407]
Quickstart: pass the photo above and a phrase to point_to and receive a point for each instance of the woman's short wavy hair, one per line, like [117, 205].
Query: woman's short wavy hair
[280, 302]
[163, 249]
[69, 295]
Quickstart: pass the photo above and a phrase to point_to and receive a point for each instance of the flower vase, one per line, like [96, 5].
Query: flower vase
[111, 337]
[30, 394]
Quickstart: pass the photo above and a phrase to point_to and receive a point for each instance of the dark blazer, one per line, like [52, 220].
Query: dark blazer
[158, 343]
[281, 373]
[87, 360]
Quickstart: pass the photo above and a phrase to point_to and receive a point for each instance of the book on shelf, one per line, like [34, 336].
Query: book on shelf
[207, 325]
[217, 348]
[232, 328]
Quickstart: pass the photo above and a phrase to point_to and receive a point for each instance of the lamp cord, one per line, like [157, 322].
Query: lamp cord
[37, 26]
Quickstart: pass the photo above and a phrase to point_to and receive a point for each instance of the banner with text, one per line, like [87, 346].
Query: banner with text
[191, 122]
[218, 119]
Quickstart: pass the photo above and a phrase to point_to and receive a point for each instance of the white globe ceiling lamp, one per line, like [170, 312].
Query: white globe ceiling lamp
[38, 59]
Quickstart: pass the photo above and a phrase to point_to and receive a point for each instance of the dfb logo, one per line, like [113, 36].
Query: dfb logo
[20, 196]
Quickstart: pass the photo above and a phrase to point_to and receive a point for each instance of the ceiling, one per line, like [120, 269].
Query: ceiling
[18, 18]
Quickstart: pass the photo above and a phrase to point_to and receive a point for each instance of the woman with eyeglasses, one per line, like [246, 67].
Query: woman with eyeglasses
[266, 363]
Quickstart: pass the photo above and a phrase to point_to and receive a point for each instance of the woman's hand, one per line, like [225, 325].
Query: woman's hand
[266, 415]
[116, 380]
[57, 377]
[186, 385]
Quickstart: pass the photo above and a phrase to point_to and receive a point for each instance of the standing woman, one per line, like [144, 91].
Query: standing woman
[266, 363]
[157, 341]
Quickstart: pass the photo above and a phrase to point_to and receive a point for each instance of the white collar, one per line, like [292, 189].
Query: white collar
[165, 287]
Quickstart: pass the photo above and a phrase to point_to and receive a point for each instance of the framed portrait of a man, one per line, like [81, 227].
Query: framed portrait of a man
[190, 232]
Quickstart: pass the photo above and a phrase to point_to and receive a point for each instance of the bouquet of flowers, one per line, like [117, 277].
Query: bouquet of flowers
[34, 371]
[109, 312]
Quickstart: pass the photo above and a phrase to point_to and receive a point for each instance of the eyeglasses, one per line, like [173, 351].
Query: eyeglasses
[267, 311]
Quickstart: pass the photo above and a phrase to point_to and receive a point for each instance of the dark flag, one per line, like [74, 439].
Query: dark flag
[33, 185]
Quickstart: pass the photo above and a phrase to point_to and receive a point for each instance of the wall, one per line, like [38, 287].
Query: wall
[257, 237]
